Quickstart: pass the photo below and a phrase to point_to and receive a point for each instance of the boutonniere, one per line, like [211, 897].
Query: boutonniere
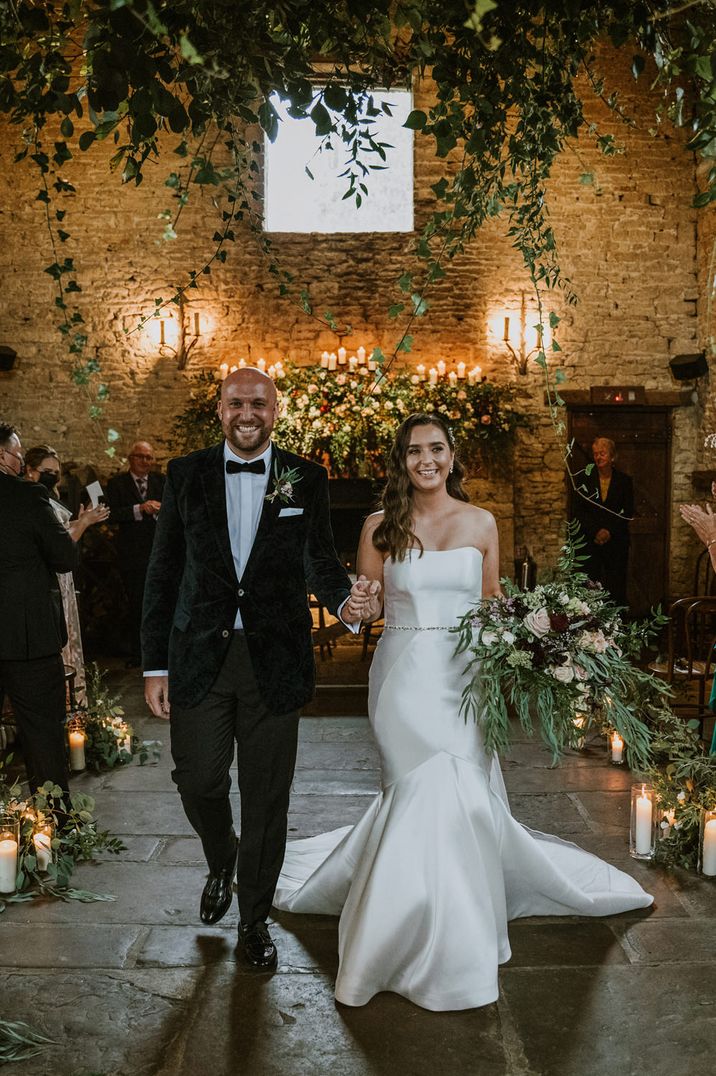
[283, 483]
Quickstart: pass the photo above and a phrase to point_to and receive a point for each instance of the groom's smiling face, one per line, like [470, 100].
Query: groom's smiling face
[248, 409]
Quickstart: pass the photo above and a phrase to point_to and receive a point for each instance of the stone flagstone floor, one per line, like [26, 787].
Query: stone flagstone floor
[139, 986]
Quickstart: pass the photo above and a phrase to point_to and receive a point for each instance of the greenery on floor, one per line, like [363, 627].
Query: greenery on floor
[109, 739]
[20, 1042]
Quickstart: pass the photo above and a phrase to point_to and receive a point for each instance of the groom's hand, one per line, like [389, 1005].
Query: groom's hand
[156, 695]
[364, 602]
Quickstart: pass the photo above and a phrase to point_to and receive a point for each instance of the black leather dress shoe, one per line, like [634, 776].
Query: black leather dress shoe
[258, 947]
[218, 892]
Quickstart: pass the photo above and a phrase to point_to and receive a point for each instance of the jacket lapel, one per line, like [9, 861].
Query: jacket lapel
[212, 479]
[270, 510]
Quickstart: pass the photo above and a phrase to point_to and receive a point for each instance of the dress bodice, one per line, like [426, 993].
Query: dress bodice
[433, 590]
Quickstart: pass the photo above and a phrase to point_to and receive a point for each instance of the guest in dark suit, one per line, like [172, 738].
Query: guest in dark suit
[135, 499]
[34, 547]
[604, 512]
[243, 535]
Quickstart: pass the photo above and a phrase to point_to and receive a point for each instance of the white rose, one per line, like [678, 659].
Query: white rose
[538, 622]
[563, 673]
[488, 638]
[508, 637]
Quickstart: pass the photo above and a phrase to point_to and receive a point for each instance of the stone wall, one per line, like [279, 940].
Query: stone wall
[628, 242]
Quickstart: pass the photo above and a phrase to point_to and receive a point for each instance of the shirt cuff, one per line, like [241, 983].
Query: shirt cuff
[137, 513]
[352, 627]
[156, 672]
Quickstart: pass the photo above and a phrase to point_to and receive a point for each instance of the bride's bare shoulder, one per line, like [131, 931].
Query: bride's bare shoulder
[372, 521]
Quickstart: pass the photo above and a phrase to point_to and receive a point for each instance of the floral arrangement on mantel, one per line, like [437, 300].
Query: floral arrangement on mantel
[346, 418]
[562, 658]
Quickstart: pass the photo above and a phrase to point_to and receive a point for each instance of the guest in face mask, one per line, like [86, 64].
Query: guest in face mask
[42, 465]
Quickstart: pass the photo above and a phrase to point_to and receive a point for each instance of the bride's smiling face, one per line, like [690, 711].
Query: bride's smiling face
[428, 458]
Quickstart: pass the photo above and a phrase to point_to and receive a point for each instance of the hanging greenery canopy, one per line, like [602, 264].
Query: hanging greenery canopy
[509, 80]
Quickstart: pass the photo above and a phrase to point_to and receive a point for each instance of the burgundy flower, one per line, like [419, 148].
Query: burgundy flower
[558, 621]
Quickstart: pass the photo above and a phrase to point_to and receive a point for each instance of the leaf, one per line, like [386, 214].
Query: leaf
[322, 119]
[416, 120]
[188, 51]
[395, 310]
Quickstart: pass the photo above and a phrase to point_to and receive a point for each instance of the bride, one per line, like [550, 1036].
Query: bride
[426, 882]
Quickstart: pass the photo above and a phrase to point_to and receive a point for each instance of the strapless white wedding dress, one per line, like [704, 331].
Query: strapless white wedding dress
[426, 881]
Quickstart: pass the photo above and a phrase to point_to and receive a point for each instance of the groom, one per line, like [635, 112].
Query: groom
[244, 533]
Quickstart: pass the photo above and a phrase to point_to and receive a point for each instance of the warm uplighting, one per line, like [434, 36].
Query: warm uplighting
[520, 333]
[174, 330]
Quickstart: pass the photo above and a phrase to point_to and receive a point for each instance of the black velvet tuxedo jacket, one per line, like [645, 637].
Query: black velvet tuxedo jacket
[34, 546]
[134, 537]
[192, 593]
[620, 499]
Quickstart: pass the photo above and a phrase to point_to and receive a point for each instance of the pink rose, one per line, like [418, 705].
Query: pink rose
[538, 622]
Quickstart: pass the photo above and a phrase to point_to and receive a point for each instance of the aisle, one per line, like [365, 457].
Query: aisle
[140, 986]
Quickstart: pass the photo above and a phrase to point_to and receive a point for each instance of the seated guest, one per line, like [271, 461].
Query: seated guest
[704, 523]
[604, 508]
[42, 465]
[135, 499]
[34, 547]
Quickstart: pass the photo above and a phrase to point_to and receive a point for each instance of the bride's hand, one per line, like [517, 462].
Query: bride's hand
[365, 598]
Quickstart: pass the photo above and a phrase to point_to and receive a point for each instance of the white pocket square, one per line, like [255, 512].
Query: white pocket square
[290, 512]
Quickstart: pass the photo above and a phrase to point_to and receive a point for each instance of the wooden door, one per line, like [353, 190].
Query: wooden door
[643, 439]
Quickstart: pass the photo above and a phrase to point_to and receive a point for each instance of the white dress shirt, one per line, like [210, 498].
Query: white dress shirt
[245, 495]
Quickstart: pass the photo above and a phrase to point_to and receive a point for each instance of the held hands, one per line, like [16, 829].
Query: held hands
[156, 695]
[150, 508]
[364, 602]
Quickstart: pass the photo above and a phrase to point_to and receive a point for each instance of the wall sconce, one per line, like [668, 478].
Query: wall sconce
[528, 340]
[175, 331]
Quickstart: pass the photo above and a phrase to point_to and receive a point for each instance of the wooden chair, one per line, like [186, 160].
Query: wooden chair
[371, 634]
[690, 652]
[704, 575]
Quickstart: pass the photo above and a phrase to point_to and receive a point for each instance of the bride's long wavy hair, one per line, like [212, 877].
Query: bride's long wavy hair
[394, 534]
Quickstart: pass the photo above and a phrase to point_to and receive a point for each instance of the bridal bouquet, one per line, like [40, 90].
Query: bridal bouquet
[558, 655]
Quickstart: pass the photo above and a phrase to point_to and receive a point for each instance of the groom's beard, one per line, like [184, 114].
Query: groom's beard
[253, 441]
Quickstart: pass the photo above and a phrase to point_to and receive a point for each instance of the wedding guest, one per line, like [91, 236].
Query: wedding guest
[135, 499]
[42, 465]
[34, 547]
[243, 535]
[605, 506]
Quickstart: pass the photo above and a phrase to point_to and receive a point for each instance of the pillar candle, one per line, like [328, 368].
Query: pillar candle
[617, 746]
[433, 377]
[441, 368]
[241, 366]
[708, 856]
[332, 361]
[324, 360]
[8, 865]
[232, 368]
[452, 378]
[77, 750]
[372, 365]
[43, 850]
[272, 372]
[361, 355]
[261, 365]
[352, 364]
[461, 370]
[223, 370]
[421, 371]
[341, 356]
[644, 808]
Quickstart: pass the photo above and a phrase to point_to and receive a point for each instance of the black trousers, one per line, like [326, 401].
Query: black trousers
[607, 564]
[133, 578]
[203, 739]
[36, 689]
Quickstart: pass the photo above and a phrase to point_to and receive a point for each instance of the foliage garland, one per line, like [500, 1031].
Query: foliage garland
[508, 98]
[333, 418]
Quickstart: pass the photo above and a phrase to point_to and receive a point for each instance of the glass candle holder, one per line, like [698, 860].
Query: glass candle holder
[42, 841]
[615, 748]
[9, 845]
[707, 844]
[77, 739]
[642, 822]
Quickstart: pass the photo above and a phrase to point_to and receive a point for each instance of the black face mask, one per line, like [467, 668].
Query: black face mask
[48, 479]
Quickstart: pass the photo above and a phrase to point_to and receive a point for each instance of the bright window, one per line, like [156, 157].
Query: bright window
[296, 203]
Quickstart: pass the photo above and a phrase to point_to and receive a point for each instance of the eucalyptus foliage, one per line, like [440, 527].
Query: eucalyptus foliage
[190, 82]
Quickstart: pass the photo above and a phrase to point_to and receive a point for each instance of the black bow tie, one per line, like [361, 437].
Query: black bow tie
[255, 467]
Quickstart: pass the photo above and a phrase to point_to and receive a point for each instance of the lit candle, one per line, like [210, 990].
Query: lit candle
[361, 355]
[324, 360]
[452, 379]
[441, 368]
[353, 364]
[241, 366]
[223, 370]
[43, 850]
[261, 365]
[708, 855]
[617, 748]
[341, 356]
[332, 361]
[8, 865]
[231, 370]
[433, 376]
[421, 371]
[644, 808]
[77, 750]
[272, 372]
[507, 329]
[414, 379]
[372, 364]
[461, 370]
